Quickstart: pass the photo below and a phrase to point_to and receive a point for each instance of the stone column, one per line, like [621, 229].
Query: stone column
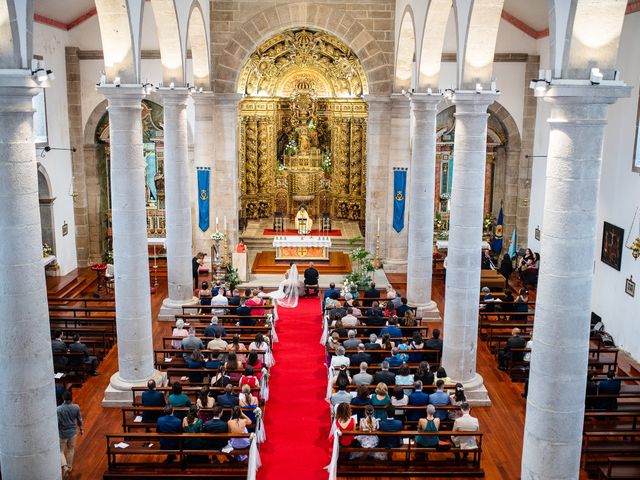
[424, 109]
[558, 370]
[465, 237]
[377, 171]
[29, 446]
[224, 194]
[178, 206]
[399, 157]
[130, 250]
[204, 154]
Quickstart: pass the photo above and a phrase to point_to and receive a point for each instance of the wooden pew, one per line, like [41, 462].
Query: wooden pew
[143, 457]
[246, 339]
[191, 391]
[620, 468]
[76, 311]
[598, 446]
[130, 414]
[403, 461]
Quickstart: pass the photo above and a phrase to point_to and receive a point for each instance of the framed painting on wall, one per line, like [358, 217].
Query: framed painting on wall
[612, 241]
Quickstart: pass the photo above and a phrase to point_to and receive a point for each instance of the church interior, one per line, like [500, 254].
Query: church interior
[452, 185]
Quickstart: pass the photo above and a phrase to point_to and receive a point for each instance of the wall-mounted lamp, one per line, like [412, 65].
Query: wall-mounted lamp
[635, 245]
[46, 149]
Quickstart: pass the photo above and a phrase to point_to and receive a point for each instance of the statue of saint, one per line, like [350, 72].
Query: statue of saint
[303, 221]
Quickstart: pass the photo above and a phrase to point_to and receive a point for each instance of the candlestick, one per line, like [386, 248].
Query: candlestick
[225, 223]
[378, 226]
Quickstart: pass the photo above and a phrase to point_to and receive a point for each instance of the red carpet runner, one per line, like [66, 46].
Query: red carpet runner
[297, 416]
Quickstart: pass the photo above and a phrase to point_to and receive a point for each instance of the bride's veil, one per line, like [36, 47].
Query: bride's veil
[291, 289]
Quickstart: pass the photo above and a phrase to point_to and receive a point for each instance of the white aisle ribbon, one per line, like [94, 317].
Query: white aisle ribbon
[254, 459]
[332, 468]
[264, 385]
[261, 435]
[329, 385]
[325, 330]
[269, 361]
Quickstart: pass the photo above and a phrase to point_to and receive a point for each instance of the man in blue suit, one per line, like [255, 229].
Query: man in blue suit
[169, 424]
[152, 398]
[227, 400]
[417, 399]
[440, 399]
[395, 360]
[392, 330]
[390, 425]
[216, 425]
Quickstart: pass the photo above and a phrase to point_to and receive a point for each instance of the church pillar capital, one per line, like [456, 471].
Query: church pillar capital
[577, 122]
[28, 444]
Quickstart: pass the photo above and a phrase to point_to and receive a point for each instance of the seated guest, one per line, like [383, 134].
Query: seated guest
[409, 319]
[404, 377]
[441, 374]
[397, 300]
[248, 401]
[311, 275]
[396, 359]
[373, 344]
[218, 343]
[489, 300]
[520, 306]
[220, 379]
[343, 375]
[234, 366]
[234, 300]
[339, 328]
[333, 342]
[58, 346]
[192, 424]
[333, 301]
[390, 293]
[361, 399]
[254, 361]
[610, 386]
[399, 399]
[238, 423]
[506, 267]
[402, 310]
[169, 424]
[255, 301]
[373, 320]
[351, 343]
[341, 395]
[196, 361]
[206, 398]
[592, 390]
[344, 421]
[429, 424]
[177, 399]
[466, 423]
[237, 347]
[213, 327]
[349, 320]
[392, 329]
[433, 343]
[339, 358]
[88, 359]
[216, 425]
[390, 424]
[248, 378]
[327, 294]
[487, 261]
[245, 313]
[205, 294]
[530, 272]
[506, 354]
[259, 343]
[424, 374]
[220, 300]
[369, 424]
[417, 343]
[384, 375]
[361, 356]
[227, 399]
[179, 331]
[355, 309]
[353, 291]
[507, 300]
[152, 398]
[457, 398]
[362, 377]
[440, 399]
[215, 360]
[372, 292]
[191, 342]
[216, 289]
[417, 399]
[380, 400]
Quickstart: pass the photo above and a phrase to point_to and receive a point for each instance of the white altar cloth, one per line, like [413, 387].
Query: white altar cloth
[302, 241]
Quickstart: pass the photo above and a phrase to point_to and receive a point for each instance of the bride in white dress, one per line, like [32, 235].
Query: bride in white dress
[287, 294]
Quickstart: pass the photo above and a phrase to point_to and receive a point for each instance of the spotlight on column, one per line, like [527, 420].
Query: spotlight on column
[478, 87]
[51, 75]
[201, 90]
[116, 82]
[41, 75]
[172, 85]
[596, 76]
[429, 91]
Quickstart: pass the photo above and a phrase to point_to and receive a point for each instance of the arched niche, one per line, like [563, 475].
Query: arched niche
[46, 200]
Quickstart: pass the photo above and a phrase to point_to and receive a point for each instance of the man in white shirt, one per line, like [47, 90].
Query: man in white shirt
[339, 359]
[349, 320]
[220, 301]
[465, 423]
[218, 343]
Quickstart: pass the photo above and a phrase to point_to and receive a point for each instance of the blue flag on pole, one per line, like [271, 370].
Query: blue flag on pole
[399, 195]
[512, 247]
[496, 244]
[203, 198]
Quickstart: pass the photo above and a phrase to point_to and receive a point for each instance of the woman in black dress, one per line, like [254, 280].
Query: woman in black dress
[196, 263]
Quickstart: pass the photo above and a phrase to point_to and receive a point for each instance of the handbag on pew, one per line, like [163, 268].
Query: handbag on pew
[443, 446]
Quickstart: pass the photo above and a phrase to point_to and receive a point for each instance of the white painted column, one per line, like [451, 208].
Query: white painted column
[465, 238]
[399, 157]
[422, 177]
[29, 446]
[130, 251]
[178, 206]
[378, 136]
[204, 154]
[224, 192]
[558, 369]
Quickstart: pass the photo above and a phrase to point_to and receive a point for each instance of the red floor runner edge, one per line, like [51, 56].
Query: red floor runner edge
[296, 415]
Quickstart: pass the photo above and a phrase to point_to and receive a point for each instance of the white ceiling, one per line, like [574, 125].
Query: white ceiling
[532, 12]
[64, 11]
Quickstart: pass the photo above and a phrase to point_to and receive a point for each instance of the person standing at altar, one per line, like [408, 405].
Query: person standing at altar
[241, 247]
[303, 221]
[196, 263]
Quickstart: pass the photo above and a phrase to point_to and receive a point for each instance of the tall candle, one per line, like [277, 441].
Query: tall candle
[378, 225]
[216, 223]
[225, 223]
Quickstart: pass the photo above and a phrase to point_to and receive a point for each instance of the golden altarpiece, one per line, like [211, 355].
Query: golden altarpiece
[302, 128]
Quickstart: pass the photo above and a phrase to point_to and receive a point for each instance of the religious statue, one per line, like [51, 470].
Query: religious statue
[303, 221]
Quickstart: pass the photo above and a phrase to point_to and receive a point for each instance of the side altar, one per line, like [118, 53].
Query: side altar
[303, 247]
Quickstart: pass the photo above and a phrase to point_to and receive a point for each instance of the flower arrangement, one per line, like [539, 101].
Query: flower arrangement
[445, 196]
[326, 161]
[46, 250]
[281, 167]
[361, 260]
[292, 147]
[217, 236]
[488, 221]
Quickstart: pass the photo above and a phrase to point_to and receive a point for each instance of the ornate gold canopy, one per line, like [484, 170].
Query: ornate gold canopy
[290, 58]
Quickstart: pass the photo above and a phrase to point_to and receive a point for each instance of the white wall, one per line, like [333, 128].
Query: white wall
[618, 198]
[50, 43]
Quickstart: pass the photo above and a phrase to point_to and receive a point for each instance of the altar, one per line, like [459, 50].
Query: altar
[301, 247]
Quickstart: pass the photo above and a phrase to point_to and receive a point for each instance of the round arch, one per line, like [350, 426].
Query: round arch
[197, 41]
[257, 30]
[405, 51]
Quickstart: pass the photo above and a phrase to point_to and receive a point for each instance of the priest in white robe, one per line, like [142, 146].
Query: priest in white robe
[303, 221]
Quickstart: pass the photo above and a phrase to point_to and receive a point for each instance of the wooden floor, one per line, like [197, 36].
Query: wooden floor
[266, 263]
[503, 422]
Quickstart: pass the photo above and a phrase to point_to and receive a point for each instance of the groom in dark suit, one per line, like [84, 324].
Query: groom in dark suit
[311, 276]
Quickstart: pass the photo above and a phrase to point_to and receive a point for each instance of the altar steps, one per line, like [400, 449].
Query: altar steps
[265, 263]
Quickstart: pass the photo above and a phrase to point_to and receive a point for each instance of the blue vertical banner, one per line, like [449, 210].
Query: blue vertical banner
[203, 198]
[399, 197]
[496, 244]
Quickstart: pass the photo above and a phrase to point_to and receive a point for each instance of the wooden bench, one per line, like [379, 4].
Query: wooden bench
[76, 311]
[143, 457]
[620, 468]
[191, 391]
[598, 446]
[131, 414]
[231, 308]
[412, 460]
[244, 339]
